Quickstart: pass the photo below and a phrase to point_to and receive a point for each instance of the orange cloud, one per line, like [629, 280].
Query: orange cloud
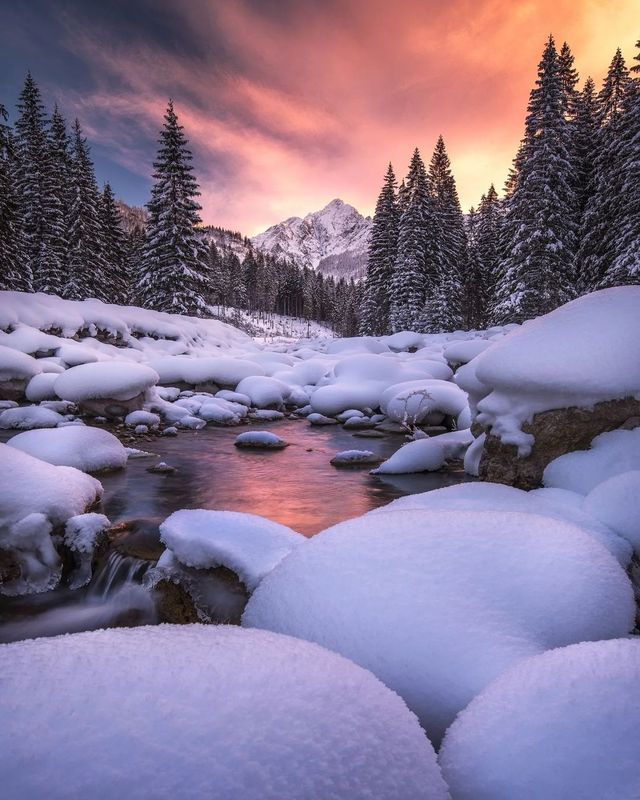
[296, 103]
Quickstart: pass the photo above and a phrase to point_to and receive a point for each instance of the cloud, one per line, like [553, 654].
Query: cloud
[289, 104]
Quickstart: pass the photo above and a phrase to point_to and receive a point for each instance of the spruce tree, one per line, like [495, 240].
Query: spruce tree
[175, 257]
[597, 248]
[13, 260]
[52, 275]
[625, 268]
[585, 144]
[409, 278]
[87, 274]
[484, 274]
[31, 145]
[568, 80]
[114, 248]
[540, 219]
[383, 246]
[134, 252]
[443, 308]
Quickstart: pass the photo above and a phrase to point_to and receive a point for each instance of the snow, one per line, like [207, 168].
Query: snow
[263, 391]
[87, 449]
[483, 496]
[438, 603]
[40, 387]
[259, 439]
[354, 457]
[249, 545]
[220, 712]
[30, 544]
[115, 380]
[415, 402]
[82, 535]
[16, 365]
[426, 455]
[616, 503]
[320, 419]
[561, 725]
[584, 352]
[142, 418]
[38, 487]
[27, 417]
[464, 351]
[611, 454]
[223, 371]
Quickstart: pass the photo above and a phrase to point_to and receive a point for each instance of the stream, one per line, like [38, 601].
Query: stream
[296, 486]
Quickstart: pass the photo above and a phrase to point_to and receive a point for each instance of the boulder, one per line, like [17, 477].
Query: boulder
[555, 433]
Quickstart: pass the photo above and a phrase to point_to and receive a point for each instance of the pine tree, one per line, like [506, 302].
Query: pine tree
[175, 257]
[540, 224]
[484, 272]
[134, 252]
[12, 256]
[568, 80]
[625, 268]
[87, 269]
[114, 248]
[409, 278]
[597, 248]
[383, 247]
[585, 144]
[443, 308]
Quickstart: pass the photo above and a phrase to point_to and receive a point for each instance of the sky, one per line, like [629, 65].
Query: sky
[288, 104]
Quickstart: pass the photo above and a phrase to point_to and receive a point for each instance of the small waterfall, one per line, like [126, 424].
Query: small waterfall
[116, 571]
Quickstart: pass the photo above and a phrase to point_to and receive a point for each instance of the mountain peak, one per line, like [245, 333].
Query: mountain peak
[333, 240]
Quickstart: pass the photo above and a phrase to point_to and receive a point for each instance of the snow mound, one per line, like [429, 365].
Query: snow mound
[117, 380]
[584, 352]
[497, 497]
[224, 712]
[414, 402]
[611, 454]
[40, 387]
[616, 503]
[426, 455]
[263, 391]
[37, 487]
[224, 371]
[561, 725]
[142, 418]
[249, 545]
[437, 604]
[15, 365]
[82, 447]
[25, 418]
[349, 458]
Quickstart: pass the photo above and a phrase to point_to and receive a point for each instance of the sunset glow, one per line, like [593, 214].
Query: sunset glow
[289, 104]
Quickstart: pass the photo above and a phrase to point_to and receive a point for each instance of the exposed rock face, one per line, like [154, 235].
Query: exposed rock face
[556, 432]
[187, 595]
[13, 389]
[110, 408]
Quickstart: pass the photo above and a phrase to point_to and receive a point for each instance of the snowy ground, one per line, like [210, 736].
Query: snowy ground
[273, 328]
[470, 602]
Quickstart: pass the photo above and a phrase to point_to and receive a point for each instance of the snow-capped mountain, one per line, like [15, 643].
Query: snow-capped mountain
[333, 241]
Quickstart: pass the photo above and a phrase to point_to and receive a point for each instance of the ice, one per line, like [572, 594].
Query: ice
[438, 603]
[584, 352]
[249, 545]
[38, 487]
[560, 726]
[611, 454]
[263, 391]
[40, 387]
[219, 712]
[25, 418]
[426, 455]
[87, 449]
[16, 365]
[117, 380]
[616, 503]
[497, 497]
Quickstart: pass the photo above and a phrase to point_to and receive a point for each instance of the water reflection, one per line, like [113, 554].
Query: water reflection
[296, 486]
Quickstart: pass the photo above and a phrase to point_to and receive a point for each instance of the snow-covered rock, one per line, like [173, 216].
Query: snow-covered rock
[40, 387]
[248, 545]
[15, 365]
[221, 711]
[82, 535]
[115, 380]
[611, 454]
[24, 418]
[223, 370]
[264, 391]
[559, 726]
[354, 458]
[426, 455]
[82, 447]
[260, 440]
[616, 503]
[141, 417]
[438, 603]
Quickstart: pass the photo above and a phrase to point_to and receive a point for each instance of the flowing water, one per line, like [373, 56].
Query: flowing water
[297, 487]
